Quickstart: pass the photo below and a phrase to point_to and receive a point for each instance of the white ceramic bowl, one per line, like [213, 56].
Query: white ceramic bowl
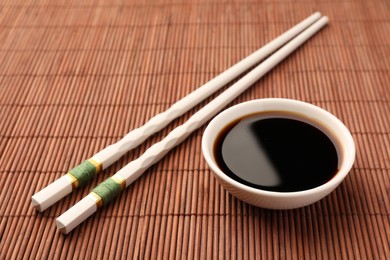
[322, 119]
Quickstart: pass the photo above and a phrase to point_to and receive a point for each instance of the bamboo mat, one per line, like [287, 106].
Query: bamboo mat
[75, 76]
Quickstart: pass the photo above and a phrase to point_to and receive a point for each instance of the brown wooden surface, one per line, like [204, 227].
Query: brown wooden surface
[76, 76]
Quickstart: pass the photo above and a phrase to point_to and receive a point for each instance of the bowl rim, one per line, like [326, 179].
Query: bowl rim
[346, 141]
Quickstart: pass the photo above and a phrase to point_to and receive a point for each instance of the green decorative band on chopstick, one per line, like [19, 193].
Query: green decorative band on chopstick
[108, 190]
[84, 173]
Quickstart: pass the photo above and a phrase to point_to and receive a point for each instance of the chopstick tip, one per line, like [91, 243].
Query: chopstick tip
[325, 19]
[36, 204]
[61, 227]
[318, 14]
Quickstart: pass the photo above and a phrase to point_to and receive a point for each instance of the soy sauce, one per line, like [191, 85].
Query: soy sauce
[275, 152]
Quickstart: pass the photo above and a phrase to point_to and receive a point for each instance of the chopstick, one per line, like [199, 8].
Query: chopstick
[110, 188]
[87, 170]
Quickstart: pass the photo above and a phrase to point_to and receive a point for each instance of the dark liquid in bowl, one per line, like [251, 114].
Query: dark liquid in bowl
[276, 153]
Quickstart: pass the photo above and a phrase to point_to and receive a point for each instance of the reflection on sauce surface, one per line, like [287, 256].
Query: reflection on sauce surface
[276, 153]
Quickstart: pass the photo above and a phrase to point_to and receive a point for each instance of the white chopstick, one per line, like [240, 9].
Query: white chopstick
[123, 178]
[103, 159]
